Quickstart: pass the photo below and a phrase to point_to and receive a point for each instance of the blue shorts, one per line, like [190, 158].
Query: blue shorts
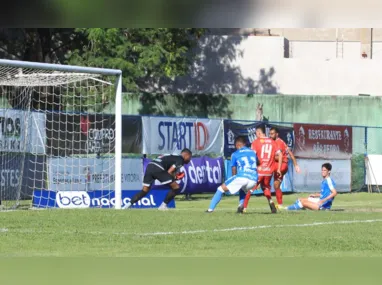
[326, 206]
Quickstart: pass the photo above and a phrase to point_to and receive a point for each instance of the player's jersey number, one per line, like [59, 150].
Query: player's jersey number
[247, 162]
[266, 151]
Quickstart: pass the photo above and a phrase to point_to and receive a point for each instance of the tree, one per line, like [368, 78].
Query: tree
[40, 45]
[144, 55]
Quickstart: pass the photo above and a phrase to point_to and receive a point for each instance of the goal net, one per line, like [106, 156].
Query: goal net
[60, 137]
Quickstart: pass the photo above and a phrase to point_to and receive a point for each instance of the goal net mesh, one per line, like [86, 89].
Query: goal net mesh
[57, 134]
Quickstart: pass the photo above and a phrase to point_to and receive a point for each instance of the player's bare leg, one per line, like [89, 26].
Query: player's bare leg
[137, 197]
[170, 196]
[310, 205]
[304, 203]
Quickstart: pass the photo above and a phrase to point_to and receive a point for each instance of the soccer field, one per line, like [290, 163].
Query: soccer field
[352, 229]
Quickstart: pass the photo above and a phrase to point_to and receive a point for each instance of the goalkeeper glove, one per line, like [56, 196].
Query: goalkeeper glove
[179, 175]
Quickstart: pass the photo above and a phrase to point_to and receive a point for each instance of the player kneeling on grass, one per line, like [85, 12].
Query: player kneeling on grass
[165, 168]
[244, 171]
[319, 201]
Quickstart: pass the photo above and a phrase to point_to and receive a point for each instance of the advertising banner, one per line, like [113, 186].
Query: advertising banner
[286, 185]
[309, 180]
[69, 134]
[233, 129]
[202, 175]
[88, 174]
[323, 141]
[170, 135]
[373, 169]
[95, 199]
[22, 131]
[25, 170]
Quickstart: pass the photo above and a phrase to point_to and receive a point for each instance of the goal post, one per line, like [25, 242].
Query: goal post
[58, 124]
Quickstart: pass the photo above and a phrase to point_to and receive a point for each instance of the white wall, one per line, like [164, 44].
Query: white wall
[323, 50]
[248, 65]
[377, 50]
[332, 77]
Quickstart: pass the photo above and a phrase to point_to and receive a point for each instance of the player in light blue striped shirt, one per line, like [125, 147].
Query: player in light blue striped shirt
[322, 200]
[244, 173]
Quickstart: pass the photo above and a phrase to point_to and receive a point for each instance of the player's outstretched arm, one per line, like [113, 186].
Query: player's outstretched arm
[298, 170]
[280, 160]
[331, 196]
[234, 170]
[171, 170]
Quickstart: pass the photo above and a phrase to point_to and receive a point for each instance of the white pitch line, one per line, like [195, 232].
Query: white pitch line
[259, 227]
[234, 229]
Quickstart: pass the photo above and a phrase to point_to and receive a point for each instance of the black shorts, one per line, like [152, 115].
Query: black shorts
[156, 172]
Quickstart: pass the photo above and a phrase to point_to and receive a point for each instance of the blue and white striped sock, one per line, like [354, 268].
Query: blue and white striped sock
[216, 199]
[296, 206]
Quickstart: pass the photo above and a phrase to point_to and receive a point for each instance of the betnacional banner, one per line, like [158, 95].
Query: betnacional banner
[88, 174]
[171, 135]
[310, 178]
[323, 141]
[95, 199]
[22, 131]
[233, 129]
[202, 175]
[70, 134]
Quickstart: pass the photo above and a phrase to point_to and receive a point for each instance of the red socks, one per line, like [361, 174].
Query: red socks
[267, 193]
[279, 196]
[246, 200]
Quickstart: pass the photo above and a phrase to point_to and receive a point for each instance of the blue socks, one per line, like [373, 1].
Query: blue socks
[216, 199]
[296, 206]
[241, 197]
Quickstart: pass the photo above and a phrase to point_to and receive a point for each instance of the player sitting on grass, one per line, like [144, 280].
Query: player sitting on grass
[165, 168]
[319, 201]
[244, 171]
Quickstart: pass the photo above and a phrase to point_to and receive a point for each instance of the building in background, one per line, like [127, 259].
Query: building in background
[321, 43]
[331, 62]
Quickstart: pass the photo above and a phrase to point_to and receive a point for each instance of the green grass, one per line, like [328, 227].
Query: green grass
[111, 233]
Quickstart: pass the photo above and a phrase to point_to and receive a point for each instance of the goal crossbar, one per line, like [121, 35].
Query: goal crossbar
[59, 67]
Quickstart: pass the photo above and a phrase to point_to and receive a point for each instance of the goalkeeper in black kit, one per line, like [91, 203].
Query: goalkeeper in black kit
[166, 169]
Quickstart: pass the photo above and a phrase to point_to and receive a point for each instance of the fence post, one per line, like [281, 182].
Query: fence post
[365, 154]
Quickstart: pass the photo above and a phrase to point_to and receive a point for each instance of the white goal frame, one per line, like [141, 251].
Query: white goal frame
[118, 107]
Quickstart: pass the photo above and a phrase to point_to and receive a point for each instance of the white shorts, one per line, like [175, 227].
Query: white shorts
[235, 183]
[326, 206]
[314, 200]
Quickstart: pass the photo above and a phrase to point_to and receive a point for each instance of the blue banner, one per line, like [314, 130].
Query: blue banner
[286, 185]
[233, 129]
[202, 175]
[95, 199]
[21, 174]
